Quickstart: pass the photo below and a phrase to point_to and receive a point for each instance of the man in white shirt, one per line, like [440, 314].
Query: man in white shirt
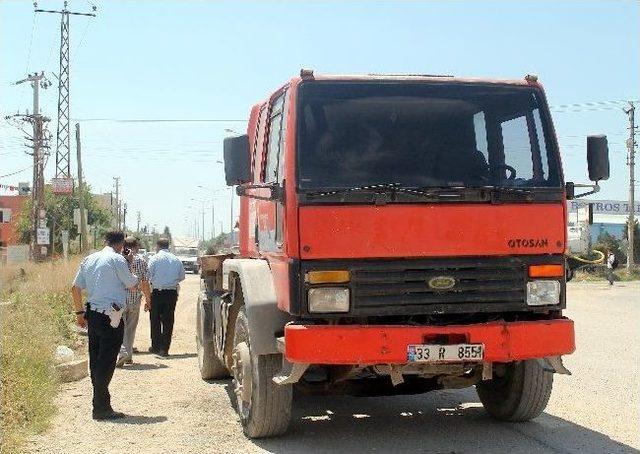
[165, 274]
[611, 261]
[105, 276]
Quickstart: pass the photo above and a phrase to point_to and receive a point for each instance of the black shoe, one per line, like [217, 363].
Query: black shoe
[108, 415]
[153, 350]
[162, 353]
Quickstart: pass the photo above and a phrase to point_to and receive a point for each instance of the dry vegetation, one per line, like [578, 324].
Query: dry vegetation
[34, 318]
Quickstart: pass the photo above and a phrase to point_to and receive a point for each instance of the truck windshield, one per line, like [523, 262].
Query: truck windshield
[188, 252]
[354, 134]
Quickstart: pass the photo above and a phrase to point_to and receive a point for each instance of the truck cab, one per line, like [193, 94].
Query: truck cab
[398, 234]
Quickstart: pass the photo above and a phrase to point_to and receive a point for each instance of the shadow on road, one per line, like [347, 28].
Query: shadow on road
[439, 422]
[140, 420]
[180, 356]
[143, 366]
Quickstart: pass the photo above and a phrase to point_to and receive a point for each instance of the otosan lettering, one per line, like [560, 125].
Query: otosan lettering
[528, 242]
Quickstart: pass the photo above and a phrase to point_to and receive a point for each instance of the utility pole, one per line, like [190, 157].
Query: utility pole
[138, 219]
[124, 218]
[203, 222]
[38, 215]
[631, 145]
[83, 220]
[117, 183]
[213, 220]
[63, 167]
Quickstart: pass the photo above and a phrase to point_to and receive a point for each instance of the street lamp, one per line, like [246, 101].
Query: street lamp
[230, 206]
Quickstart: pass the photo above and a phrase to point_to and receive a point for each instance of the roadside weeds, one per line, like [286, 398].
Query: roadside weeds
[35, 319]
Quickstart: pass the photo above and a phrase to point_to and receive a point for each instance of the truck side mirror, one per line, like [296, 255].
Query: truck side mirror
[237, 162]
[598, 157]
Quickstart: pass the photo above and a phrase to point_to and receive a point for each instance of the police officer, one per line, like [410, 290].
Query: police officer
[165, 274]
[106, 277]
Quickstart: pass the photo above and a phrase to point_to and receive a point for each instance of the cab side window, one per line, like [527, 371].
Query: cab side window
[258, 145]
[274, 148]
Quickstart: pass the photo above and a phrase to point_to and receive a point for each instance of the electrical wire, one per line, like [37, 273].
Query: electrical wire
[33, 29]
[16, 172]
[162, 120]
[77, 49]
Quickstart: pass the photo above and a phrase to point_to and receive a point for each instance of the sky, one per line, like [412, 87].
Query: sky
[212, 61]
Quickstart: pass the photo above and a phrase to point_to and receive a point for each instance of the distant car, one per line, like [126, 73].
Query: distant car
[189, 258]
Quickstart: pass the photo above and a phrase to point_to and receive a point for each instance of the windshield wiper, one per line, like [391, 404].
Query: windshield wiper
[514, 193]
[385, 188]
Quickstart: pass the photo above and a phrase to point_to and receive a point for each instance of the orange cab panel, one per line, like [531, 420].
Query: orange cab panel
[369, 231]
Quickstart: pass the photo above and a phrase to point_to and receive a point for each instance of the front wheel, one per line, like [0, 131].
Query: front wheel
[518, 392]
[263, 406]
[208, 363]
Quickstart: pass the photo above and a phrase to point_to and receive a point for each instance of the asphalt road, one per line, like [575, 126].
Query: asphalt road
[595, 410]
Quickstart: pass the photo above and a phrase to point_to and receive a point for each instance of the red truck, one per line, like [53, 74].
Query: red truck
[398, 234]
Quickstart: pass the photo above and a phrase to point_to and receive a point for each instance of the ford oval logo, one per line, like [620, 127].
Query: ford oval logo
[441, 282]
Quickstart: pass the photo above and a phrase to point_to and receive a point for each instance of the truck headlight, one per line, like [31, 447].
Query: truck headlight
[328, 299]
[543, 293]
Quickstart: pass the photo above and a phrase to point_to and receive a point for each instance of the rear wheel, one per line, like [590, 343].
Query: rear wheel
[208, 363]
[263, 406]
[519, 392]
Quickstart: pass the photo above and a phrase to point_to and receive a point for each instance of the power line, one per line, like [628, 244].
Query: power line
[593, 106]
[84, 32]
[162, 120]
[33, 28]
[16, 172]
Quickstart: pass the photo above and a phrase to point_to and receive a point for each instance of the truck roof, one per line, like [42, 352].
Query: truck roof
[306, 74]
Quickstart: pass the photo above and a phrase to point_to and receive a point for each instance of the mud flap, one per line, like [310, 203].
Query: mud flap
[290, 373]
[554, 364]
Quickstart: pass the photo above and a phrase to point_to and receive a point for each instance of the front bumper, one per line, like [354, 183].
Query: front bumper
[387, 344]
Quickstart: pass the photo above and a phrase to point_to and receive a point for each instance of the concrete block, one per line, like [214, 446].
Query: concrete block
[73, 370]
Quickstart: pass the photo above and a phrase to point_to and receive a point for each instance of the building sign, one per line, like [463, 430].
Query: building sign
[62, 185]
[620, 207]
[42, 237]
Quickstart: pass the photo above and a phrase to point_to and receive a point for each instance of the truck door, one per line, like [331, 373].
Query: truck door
[271, 213]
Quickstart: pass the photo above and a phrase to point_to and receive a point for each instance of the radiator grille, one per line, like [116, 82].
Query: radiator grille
[407, 282]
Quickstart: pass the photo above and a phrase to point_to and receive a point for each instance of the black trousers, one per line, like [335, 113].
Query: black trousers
[104, 345]
[162, 314]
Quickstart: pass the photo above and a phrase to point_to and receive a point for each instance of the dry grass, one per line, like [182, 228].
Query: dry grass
[36, 319]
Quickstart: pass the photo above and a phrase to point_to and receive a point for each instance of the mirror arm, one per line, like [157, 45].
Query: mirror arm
[274, 187]
[594, 188]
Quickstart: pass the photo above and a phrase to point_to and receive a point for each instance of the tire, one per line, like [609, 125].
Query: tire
[208, 363]
[268, 412]
[521, 394]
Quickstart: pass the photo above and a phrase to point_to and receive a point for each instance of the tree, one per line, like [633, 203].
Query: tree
[606, 241]
[59, 217]
[217, 244]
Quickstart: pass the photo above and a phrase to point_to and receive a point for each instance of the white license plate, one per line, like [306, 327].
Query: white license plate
[424, 353]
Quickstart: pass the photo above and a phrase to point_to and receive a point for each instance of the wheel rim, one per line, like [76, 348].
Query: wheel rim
[242, 374]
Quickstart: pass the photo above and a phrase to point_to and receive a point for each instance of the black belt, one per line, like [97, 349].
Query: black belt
[99, 311]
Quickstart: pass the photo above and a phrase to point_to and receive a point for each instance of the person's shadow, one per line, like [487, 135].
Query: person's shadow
[144, 366]
[140, 420]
